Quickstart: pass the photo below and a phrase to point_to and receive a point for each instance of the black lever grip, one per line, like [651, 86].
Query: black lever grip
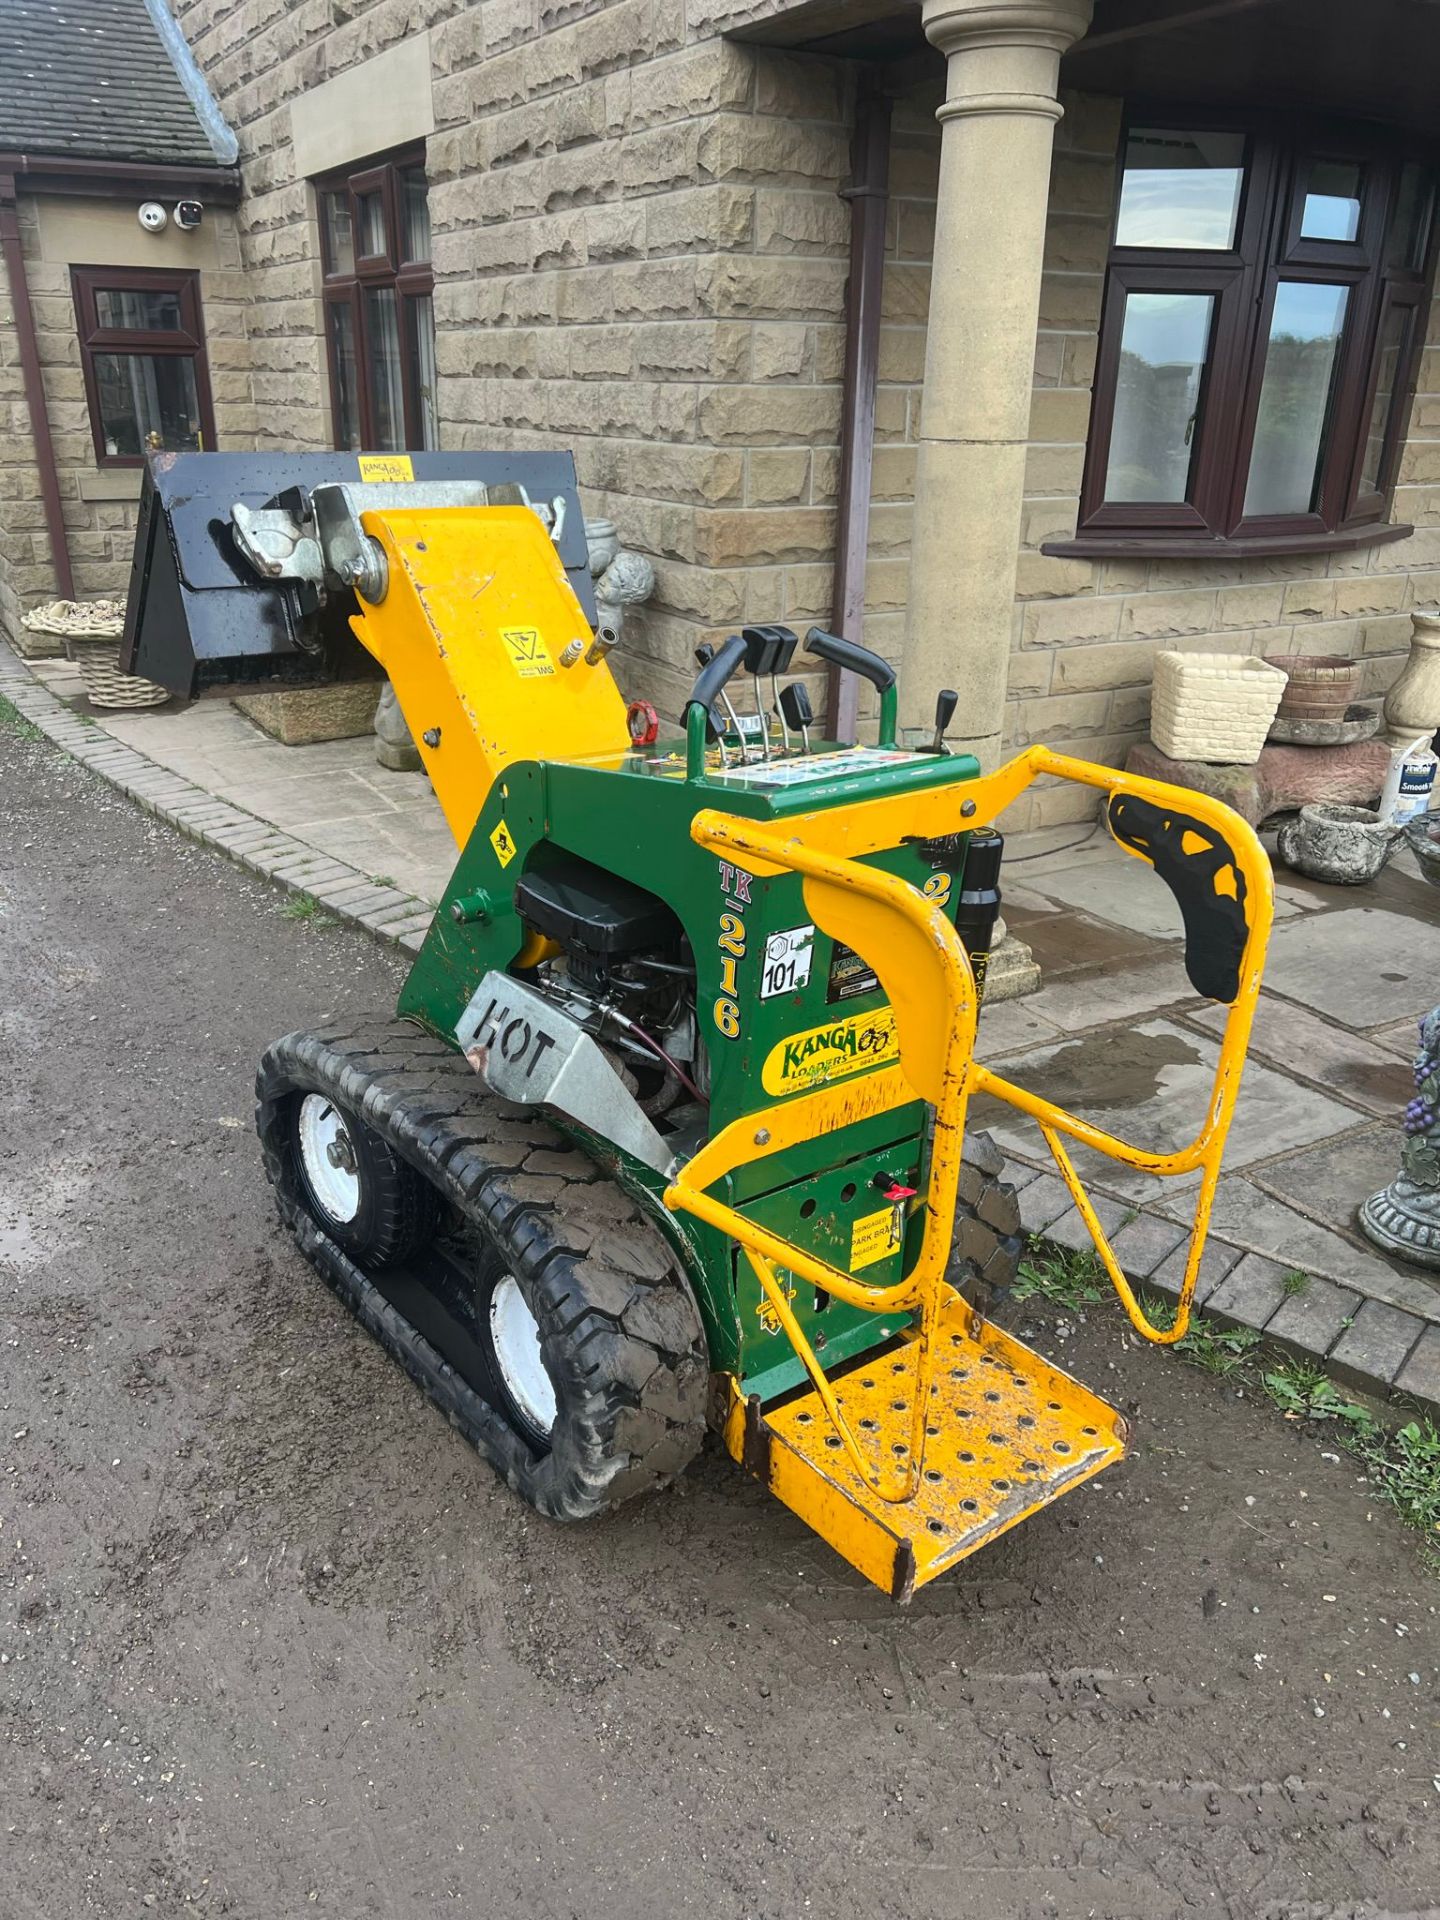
[716, 671]
[768, 649]
[795, 705]
[1200, 869]
[846, 653]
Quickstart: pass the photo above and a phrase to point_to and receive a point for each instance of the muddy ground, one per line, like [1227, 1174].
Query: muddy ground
[275, 1643]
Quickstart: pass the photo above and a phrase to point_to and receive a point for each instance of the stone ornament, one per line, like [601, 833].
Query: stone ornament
[1412, 706]
[1404, 1218]
[1345, 846]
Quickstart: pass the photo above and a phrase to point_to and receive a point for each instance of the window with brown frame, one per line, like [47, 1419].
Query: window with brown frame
[379, 305]
[1264, 310]
[142, 348]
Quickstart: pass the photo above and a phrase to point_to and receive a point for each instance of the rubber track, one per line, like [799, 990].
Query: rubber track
[603, 1282]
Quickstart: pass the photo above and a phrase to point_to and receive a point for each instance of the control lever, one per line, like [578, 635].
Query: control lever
[796, 711]
[768, 650]
[945, 704]
[849, 654]
[704, 654]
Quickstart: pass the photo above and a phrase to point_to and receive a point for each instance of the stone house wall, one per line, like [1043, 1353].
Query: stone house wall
[1086, 631]
[58, 232]
[639, 251]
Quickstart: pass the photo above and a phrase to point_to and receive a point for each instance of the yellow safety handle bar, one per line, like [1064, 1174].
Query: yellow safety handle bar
[926, 974]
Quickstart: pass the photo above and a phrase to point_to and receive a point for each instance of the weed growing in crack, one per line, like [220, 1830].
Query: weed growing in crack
[15, 722]
[308, 910]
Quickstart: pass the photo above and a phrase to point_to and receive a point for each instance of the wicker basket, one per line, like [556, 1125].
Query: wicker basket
[104, 682]
[91, 631]
[1214, 706]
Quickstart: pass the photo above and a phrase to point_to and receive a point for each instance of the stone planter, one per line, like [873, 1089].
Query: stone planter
[1404, 1218]
[1412, 706]
[1345, 846]
[1317, 686]
[301, 716]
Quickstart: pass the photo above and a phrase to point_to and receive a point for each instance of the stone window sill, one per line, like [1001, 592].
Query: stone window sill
[1171, 546]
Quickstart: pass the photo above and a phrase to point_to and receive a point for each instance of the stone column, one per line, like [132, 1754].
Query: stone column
[997, 131]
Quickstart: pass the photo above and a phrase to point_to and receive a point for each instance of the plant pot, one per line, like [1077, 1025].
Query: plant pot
[1422, 836]
[1215, 707]
[1344, 846]
[1317, 685]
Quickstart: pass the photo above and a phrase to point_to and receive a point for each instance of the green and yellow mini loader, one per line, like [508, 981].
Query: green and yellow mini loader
[668, 1130]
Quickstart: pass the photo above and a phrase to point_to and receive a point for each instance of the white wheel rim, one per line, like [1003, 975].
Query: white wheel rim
[515, 1337]
[328, 1155]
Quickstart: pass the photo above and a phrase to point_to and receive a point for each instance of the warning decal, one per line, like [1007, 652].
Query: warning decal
[503, 843]
[527, 652]
[874, 1236]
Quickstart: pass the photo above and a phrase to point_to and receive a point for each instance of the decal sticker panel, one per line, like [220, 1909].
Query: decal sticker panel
[527, 653]
[839, 1048]
[386, 466]
[874, 1237]
[788, 955]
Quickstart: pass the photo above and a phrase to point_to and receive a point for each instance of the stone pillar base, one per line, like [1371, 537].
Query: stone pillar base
[1012, 973]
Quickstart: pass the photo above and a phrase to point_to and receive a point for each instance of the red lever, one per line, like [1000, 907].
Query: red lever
[890, 1188]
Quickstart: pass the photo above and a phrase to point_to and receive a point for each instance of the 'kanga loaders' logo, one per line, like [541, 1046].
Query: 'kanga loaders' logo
[830, 1052]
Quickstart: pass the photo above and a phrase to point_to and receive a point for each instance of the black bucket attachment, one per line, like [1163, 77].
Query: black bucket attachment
[198, 612]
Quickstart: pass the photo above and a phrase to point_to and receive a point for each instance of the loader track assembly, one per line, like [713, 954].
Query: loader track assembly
[485, 1189]
[623, 1339]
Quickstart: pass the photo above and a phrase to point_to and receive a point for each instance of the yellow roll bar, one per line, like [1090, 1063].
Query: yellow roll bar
[926, 974]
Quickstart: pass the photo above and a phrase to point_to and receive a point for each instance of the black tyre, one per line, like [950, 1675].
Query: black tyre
[586, 1282]
[989, 1239]
[361, 1192]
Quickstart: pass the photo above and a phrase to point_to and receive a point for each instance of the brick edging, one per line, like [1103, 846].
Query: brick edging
[1391, 1358]
[399, 919]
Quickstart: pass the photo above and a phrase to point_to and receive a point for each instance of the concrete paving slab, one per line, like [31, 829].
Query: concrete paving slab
[1362, 966]
[1402, 1038]
[1377, 1346]
[1043, 1201]
[1007, 1026]
[1217, 1262]
[1152, 1085]
[1344, 1063]
[1329, 1180]
[1420, 1374]
[1260, 1223]
[1146, 1243]
[1251, 1293]
[1071, 1231]
[1125, 891]
[1314, 1318]
[1117, 994]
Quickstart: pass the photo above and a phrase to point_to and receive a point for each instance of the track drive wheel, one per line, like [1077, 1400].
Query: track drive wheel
[530, 1296]
[989, 1239]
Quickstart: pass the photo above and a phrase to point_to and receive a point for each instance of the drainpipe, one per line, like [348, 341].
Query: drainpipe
[868, 194]
[14, 257]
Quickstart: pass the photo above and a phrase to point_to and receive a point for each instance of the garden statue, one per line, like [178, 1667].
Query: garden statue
[1404, 1218]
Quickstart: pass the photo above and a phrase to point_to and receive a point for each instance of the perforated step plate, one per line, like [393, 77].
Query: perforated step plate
[1007, 1434]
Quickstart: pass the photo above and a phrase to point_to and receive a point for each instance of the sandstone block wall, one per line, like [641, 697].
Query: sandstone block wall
[639, 252]
[98, 504]
[1086, 631]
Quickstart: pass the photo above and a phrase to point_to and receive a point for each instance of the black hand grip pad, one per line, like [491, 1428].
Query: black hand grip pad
[716, 671]
[1216, 923]
[768, 649]
[846, 653]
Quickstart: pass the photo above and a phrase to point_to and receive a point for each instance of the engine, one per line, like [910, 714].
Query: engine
[624, 971]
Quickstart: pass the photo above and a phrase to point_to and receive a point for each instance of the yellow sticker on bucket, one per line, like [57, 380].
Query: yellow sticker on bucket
[386, 466]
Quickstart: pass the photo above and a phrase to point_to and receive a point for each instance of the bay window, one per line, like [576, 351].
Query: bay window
[1263, 313]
